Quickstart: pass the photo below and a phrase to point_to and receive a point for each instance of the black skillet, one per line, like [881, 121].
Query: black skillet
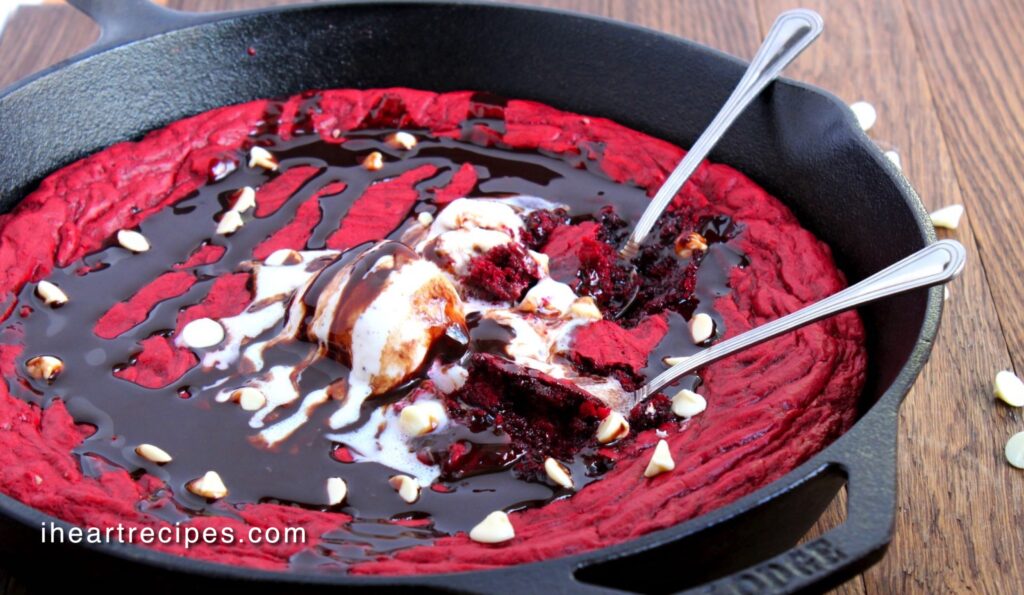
[152, 66]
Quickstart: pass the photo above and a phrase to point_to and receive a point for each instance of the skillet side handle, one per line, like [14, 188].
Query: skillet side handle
[760, 548]
[843, 552]
[125, 21]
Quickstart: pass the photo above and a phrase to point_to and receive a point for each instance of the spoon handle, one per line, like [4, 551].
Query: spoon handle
[938, 263]
[791, 33]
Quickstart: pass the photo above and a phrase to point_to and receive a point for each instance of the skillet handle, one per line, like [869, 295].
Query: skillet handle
[753, 552]
[124, 21]
[829, 560]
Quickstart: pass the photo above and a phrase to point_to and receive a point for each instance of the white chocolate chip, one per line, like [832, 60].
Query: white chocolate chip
[408, 488]
[44, 367]
[672, 361]
[230, 222]
[249, 398]
[260, 157]
[586, 307]
[865, 114]
[1009, 388]
[895, 158]
[548, 298]
[244, 200]
[425, 218]
[947, 217]
[208, 486]
[402, 140]
[386, 262]
[613, 427]
[702, 326]
[132, 240]
[202, 332]
[417, 420]
[282, 257]
[495, 528]
[153, 454]
[337, 490]
[661, 460]
[374, 161]
[687, 403]
[542, 260]
[1015, 450]
[51, 294]
[558, 473]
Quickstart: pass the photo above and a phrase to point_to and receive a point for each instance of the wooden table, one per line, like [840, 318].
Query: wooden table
[946, 78]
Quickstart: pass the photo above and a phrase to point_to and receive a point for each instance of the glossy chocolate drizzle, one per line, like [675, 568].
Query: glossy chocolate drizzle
[202, 434]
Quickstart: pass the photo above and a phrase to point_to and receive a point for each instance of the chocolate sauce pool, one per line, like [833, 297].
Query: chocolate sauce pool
[203, 435]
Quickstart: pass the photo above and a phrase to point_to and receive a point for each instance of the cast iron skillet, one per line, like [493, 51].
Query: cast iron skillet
[152, 66]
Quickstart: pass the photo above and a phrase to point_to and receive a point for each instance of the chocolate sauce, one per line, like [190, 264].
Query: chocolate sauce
[490, 336]
[712, 283]
[201, 434]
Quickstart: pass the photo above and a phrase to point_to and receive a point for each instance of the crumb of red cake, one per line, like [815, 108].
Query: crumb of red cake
[503, 273]
[670, 280]
[342, 454]
[584, 257]
[563, 245]
[543, 415]
[652, 413]
[540, 224]
[607, 348]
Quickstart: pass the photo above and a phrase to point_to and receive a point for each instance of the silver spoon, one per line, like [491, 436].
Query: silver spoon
[791, 33]
[939, 263]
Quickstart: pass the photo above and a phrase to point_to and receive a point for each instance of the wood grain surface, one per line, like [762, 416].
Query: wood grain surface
[946, 78]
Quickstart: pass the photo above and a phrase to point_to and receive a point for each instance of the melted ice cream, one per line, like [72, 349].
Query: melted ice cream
[381, 314]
